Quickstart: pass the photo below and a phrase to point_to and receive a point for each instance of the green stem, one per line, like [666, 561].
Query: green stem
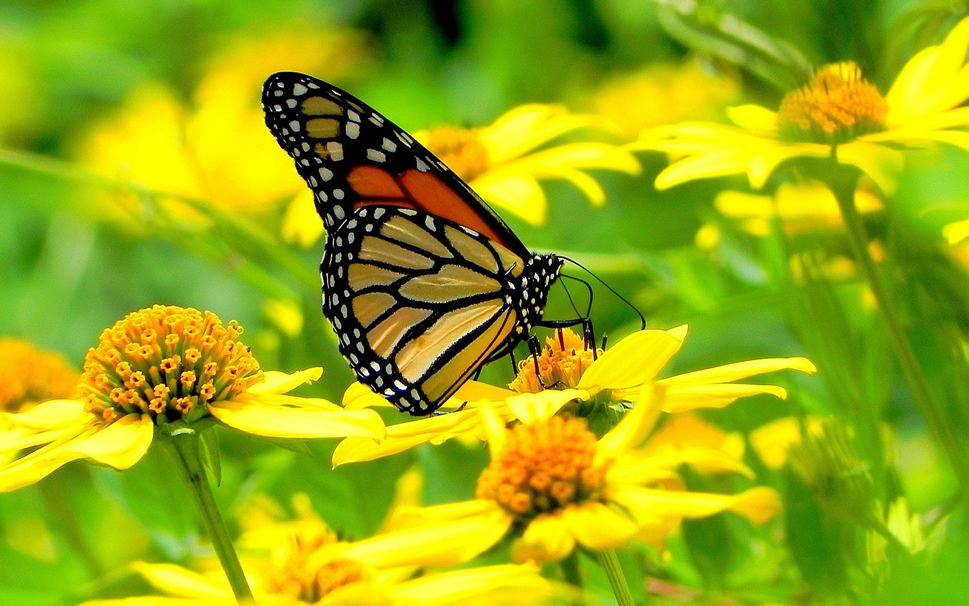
[610, 563]
[184, 450]
[842, 181]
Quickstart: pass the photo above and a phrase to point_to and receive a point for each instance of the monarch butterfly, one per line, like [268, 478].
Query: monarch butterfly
[422, 282]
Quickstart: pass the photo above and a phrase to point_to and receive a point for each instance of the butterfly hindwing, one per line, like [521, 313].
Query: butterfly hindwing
[418, 303]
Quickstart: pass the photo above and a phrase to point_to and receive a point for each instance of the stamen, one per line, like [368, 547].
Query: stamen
[561, 364]
[462, 150]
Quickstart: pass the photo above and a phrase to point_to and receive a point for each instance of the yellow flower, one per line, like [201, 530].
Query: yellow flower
[216, 148]
[665, 93]
[165, 367]
[800, 207]
[619, 377]
[839, 113]
[773, 440]
[303, 562]
[559, 486]
[30, 376]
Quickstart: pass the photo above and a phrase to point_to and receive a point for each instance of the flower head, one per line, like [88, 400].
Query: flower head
[555, 485]
[839, 114]
[161, 367]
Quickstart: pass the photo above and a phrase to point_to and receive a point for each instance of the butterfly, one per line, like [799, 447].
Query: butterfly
[422, 282]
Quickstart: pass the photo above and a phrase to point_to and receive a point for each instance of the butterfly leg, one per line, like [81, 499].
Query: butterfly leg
[535, 350]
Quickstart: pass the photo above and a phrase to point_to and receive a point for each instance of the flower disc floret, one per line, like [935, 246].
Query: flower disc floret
[307, 570]
[166, 360]
[837, 106]
[543, 466]
[561, 364]
[461, 149]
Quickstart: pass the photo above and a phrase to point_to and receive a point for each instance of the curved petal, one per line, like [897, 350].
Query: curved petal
[519, 194]
[440, 543]
[120, 445]
[597, 527]
[640, 469]
[546, 539]
[281, 382]
[408, 517]
[737, 370]
[285, 422]
[881, 163]
[531, 407]
[632, 362]
[358, 396]
[715, 396]
[754, 118]
[403, 436]
[179, 581]
[53, 414]
[633, 428]
[758, 504]
[505, 584]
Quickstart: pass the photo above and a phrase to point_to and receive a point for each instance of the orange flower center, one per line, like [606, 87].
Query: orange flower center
[29, 376]
[837, 106]
[166, 360]
[561, 364]
[543, 466]
[304, 570]
[461, 149]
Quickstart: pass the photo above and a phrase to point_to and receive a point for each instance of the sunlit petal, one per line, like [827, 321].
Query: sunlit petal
[120, 444]
[281, 382]
[632, 362]
[598, 527]
[284, 422]
[545, 539]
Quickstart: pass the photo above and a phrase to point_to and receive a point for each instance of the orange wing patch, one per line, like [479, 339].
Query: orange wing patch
[436, 198]
[373, 182]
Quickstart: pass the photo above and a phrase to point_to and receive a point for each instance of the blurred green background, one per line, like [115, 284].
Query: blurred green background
[136, 169]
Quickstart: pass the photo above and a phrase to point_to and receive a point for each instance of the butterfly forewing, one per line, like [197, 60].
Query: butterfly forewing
[422, 282]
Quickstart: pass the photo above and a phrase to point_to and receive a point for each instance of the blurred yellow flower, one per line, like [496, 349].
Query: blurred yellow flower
[772, 441]
[166, 367]
[216, 148]
[559, 486]
[621, 376]
[663, 94]
[303, 562]
[838, 114]
[800, 207]
[29, 376]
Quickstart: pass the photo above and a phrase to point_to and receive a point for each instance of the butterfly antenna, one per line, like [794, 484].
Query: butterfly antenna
[642, 319]
[572, 301]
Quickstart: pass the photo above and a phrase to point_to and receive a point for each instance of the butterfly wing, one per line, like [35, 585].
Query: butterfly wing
[351, 157]
[422, 281]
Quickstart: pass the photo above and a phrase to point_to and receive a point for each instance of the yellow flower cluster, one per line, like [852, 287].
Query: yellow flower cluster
[165, 359]
[30, 376]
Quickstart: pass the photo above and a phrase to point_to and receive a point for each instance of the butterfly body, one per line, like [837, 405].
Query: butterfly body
[422, 282]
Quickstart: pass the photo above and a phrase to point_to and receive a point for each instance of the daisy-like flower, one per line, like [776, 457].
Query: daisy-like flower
[619, 377]
[555, 485]
[159, 368]
[840, 113]
[311, 566]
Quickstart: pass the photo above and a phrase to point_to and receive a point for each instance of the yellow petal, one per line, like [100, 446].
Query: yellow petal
[440, 543]
[633, 428]
[632, 362]
[879, 162]
[474, 391]
[25, 472]
[517, 193]
[359, 396]
[531, 407]
[598, 527]
[178, 581]
[409, 517]
[773, 440]
[53, 414]
[641, 469]
[501, 585]
[754, 118]
[738, 370]
[403, 436]
[281, 382]
[546, 539]
[758, 504]
[120, 445]
[715, 396]
[285, 422]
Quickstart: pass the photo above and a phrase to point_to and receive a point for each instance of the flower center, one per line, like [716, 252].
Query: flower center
[306, 570]
[461, 149]
[543, 466]
[561, 364]
[166, 360]
[29, 376]
[837, 106]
